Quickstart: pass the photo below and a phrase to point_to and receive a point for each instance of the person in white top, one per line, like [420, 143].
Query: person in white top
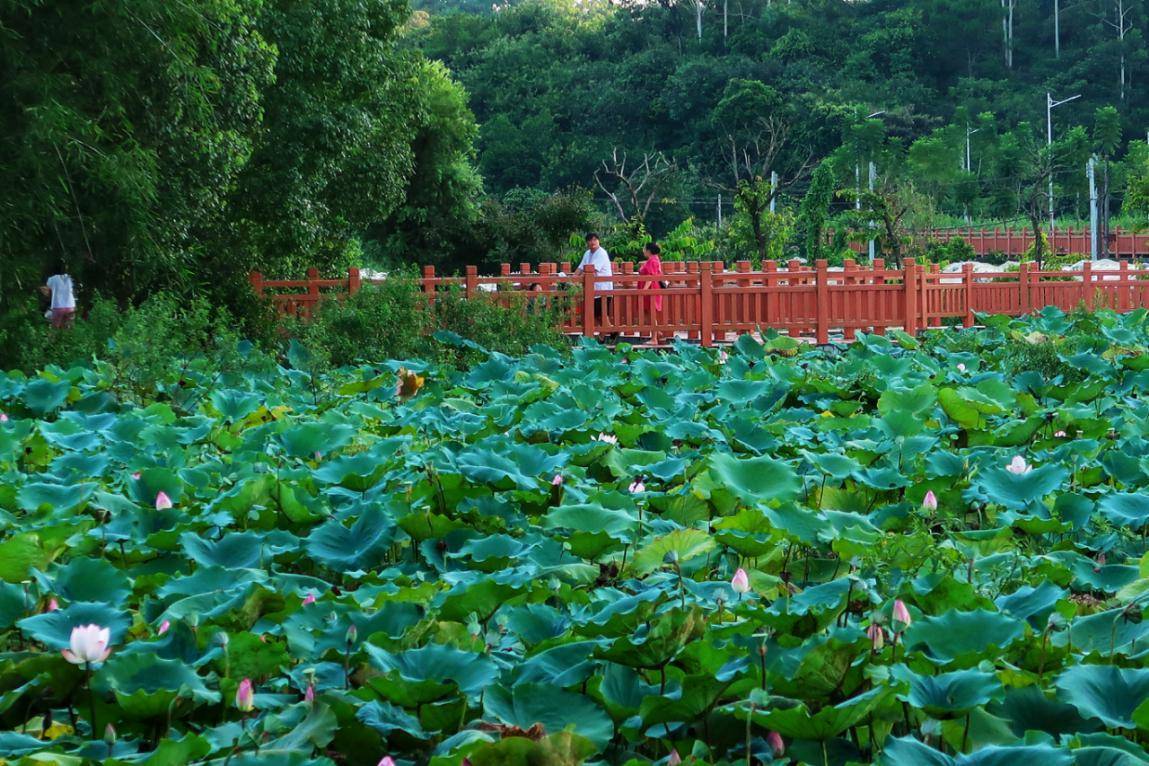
[597, 256]
[61, 289]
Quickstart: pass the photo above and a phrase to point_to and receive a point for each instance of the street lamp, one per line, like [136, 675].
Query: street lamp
[1049, 106]
[858, 183]
[968, 162]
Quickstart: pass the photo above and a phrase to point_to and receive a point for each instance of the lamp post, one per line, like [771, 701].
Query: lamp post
[968, 161]
[1049, 106]
[858, 171]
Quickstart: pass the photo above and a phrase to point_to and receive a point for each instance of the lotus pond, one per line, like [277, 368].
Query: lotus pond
[903, 552]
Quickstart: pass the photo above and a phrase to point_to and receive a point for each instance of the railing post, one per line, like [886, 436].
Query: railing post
[429, 283]
[312, 292]
[472, 281]
[1023, 287]
[1123, 288]
[967, 279]
[354, 281]
[256, 282]
[706, 303]
[910, 283]
[821, 302]
[588, 301]
[1087, 285]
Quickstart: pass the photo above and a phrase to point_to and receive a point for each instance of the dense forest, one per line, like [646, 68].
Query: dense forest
[154, 146]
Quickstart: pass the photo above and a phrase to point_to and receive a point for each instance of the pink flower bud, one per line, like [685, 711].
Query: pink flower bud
[740, 582]
[557, 481]
[901, 614]
[3, 418]
[877, 636]
[930, 501]
[1060, 434]
[961, 367]
[675, 759]
[245, 696]
[136, 475]
[386, 761]
[774, 739]
[309, 694]
[53, 604]
[637, 486]
[309, 599]
[1018, 466]
[163, 502]
[163, 627]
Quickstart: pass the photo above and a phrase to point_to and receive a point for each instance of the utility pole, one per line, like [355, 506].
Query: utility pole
[968, 160]
[773, 189]
[720, 210]
[858, 183]
[1057, 29]
[1049, 106]
[873, 174]
[1094, 234]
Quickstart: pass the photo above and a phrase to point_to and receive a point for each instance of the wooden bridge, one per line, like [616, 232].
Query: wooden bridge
[709, 303]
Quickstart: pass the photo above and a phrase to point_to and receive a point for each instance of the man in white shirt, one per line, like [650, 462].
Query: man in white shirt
[61, 289]
[597, 256]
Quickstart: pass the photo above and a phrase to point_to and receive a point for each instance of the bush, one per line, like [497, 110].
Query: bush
[393, 321]
[956, 250]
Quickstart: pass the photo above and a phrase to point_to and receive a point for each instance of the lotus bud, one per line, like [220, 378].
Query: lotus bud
[607, 438]
[136, 475]
[163, 627]
[309, 694]
[1018, 466]
[109, 735]
[901, 614]
[88, 644]
[774, 739]
[961, 367]
[222, 639]
[740, 582]
[637, 486]
[722, 356]
[3, 418]
[674, 759]
[930, 501]
[1060, 434]
[309, 599]
[877, 636]
[163, 502]
[245, 696]
[386, 761]
[352, 634]
[557, 481]
[53, 604]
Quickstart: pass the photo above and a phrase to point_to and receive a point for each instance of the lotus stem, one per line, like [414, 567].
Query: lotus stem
[91, 697]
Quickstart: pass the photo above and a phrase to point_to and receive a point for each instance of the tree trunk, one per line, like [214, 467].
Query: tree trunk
[1038, 242]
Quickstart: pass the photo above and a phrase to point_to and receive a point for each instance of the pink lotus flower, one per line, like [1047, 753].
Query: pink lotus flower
[88, 644]
[723, 357]
[877, 636]
[163, 627]
[136, 475]
[386, 761]
[901, 614]
[309, 599]
[774, 739]
[3, 418]
[674, 759]
[245, 696]
[309, 695]
[637, 486]
[961, 367]
[740, 582]
[607, 438]
[557, 481]
[1060, 434]
[1018, 466]
[352, 633]
[930, 501]
[163, 502]
[53, 604]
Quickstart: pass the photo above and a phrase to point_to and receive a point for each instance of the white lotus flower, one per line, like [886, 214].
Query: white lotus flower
[89, 643]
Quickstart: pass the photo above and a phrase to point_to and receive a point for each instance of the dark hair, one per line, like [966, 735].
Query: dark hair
[591, 235]
[60, 266]
[652, 248]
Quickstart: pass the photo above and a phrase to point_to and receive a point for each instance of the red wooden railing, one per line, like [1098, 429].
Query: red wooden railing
[709, 303]
[1015, 242]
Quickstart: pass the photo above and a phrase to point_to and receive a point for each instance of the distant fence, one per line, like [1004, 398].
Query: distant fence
[706, 302]
[1015, 242]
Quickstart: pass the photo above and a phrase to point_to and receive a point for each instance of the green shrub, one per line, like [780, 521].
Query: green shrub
[510, 330]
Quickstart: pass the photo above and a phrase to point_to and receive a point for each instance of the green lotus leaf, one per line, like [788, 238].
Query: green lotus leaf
[907, 751]
[1031, 709]
[306, 439]
[1108, 633]
[308, 729]
[1020, 491]
[795, 720]
[675, 549]
[527, 704]
[948, 694]
[1105, 692]
[759, 479]
[421, 675]
[386, 719]
[358, 547]
[238, 550]
[956, 635]
[54, 629]
[234, 405]
[591, 528]
[146, 686]
[45, 396]
[58, 499]
[1126, 509]
[91, 579]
